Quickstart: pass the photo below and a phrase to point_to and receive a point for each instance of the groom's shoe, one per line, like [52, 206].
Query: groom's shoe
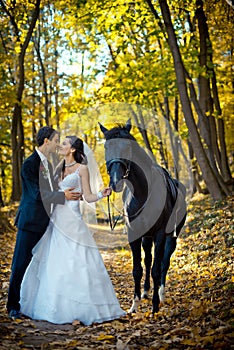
[14, 314]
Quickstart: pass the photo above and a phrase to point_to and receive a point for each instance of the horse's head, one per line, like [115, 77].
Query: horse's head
[118, 154]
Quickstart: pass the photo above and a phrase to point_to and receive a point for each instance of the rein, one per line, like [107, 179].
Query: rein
[114, 222]
[127, 167]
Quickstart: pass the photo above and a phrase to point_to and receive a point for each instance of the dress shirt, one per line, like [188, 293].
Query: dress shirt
[45, 163]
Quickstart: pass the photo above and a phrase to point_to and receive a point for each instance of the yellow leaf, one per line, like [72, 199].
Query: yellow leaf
[188, 342]
[105, 337]
[18, 320]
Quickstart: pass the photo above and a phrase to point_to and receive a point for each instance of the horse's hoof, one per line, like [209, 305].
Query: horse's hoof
[132, 311]
[145, 295]
[135, 304]
[155, 310]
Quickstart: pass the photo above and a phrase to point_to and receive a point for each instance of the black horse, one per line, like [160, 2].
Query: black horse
[154, 207]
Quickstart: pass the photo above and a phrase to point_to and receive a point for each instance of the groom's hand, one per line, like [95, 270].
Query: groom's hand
[72, 196]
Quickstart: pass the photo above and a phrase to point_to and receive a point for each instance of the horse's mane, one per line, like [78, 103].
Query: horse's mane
[119, 131]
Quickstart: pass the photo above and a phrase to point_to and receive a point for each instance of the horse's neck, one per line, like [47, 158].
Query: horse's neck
[138, 183]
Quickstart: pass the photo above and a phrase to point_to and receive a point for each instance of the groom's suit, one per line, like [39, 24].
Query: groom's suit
[37, 196]
[32, 219]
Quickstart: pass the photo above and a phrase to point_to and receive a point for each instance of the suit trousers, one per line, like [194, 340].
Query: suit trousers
[25, 242]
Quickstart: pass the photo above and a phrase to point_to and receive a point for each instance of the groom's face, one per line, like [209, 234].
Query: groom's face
[53, 144]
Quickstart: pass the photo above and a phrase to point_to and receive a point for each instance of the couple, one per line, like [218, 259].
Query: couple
[58, 274]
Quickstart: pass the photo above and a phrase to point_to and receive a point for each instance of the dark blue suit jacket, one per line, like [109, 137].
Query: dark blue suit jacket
[37, 196]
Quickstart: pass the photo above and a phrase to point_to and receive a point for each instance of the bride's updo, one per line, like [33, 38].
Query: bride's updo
[78, 145]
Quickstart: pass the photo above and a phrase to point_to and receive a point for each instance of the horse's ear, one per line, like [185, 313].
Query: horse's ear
[103, 129]
[128, 125]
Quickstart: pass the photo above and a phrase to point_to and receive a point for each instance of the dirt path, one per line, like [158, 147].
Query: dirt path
[198, 311]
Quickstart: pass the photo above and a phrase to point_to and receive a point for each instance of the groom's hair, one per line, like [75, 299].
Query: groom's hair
[46, 132]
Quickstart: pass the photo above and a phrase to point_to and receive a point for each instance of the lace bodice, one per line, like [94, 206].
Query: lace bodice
[72, 181]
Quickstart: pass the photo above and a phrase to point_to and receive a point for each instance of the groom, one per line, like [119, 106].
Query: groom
[37, 201]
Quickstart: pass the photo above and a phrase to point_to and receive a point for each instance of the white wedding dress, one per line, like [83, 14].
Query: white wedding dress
[66, 279]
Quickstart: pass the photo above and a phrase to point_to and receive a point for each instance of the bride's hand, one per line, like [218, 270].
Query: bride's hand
[71, 195]
[106, 192]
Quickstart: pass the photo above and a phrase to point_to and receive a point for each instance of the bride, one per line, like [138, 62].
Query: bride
[67, 279]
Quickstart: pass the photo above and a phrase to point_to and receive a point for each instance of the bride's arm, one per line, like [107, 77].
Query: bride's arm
[87, 194]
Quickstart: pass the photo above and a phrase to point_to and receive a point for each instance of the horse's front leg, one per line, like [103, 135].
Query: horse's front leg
[147, 243]
[159, 243]
[137, 273]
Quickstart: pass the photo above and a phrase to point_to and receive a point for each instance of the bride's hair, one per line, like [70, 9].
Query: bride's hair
[79, 156]
[78, 145]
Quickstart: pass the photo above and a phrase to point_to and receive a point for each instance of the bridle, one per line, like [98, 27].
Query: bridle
[113, 222]
[118, 160]
[122, 156]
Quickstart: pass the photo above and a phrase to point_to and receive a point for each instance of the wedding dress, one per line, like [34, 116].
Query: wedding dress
[66, 279]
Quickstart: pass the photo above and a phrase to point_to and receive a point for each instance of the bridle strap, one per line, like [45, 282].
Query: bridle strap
[113, 222]
[118, 160]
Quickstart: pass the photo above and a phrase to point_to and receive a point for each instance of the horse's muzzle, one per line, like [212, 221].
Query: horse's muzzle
[117, 186]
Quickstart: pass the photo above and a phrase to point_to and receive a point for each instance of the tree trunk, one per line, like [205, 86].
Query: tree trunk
[195, 172]
[44, 83]
[143, 130]
[165, 110]
[157, 132]
[17, 135]
[37, 45]
[176, 125]
[208, 175]
[173, 141]
[207, 103]
[206, 120]
[225, 170]
[205, 100]
[141, 127]
[1, 198]
[17, 142]
[56, 92]
[34, 131]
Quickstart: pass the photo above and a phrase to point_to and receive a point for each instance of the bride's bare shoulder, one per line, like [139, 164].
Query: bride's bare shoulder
[83, 169]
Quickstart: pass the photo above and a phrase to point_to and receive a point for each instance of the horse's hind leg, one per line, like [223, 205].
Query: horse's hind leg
[137, 272]
[147, 246]
[159, 243]
[169, 249]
